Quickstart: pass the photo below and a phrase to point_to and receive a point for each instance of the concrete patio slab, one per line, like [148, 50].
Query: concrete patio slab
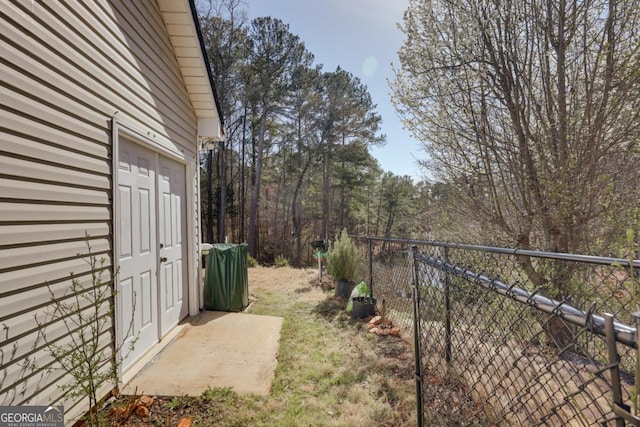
[214, 349]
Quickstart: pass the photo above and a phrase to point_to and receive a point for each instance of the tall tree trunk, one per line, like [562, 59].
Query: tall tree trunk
[222, 202]
[209, 221]
[243, 190]
[255, 196]
[295, 214]
[326, 190]
[277, 228]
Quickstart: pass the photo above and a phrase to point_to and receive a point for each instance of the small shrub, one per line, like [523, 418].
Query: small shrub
[251, 261]
[342, 258]
[85, 312]
[281, 261]
[179, 402]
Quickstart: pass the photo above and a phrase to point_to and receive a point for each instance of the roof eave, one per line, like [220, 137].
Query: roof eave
[181, 20]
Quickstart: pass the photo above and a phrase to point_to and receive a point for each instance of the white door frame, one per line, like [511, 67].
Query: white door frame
[118, 127]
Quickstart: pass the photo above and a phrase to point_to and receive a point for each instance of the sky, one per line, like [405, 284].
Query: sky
[362, 37]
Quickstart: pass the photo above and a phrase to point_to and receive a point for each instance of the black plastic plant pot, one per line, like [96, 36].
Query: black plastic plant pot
[363, 307]
[343, 289]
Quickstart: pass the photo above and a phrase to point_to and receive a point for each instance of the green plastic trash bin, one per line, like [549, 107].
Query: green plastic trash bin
[226, 282]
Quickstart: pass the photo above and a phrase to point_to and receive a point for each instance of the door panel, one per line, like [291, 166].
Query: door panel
[138, 256]
[172, 228]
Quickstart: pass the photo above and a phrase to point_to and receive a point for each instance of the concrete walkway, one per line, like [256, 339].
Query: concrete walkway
[214, 349]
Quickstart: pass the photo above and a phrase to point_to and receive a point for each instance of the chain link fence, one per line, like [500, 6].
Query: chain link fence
[531, 338]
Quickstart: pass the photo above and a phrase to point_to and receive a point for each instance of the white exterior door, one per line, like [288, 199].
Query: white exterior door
[172, 228]
[152, 282]
[138, 254]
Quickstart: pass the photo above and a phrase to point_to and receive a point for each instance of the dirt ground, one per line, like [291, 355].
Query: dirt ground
[271, 278]
[391, 356]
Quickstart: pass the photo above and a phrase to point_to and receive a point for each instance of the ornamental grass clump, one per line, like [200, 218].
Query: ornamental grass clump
[342, 258]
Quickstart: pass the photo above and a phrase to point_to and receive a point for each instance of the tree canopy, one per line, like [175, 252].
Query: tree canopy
[296, 164]
[529, 112]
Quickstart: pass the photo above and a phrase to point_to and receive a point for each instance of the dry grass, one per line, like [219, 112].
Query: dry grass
[331, 371]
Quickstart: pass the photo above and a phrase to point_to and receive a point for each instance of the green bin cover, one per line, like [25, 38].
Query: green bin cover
[226, 283]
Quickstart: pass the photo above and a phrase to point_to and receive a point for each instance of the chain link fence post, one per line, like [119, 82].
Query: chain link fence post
[636, 385]
[416, 338]
[370, 267]
[614, 370]
[481, 303]
[447, 311]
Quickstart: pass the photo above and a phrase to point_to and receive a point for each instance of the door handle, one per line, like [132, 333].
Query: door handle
[163, 259]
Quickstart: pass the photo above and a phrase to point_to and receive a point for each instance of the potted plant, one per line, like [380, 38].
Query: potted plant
[363, 307]
[342, 262]
[362, 304]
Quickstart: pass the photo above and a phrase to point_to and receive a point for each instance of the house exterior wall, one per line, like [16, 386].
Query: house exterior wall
[68, 71]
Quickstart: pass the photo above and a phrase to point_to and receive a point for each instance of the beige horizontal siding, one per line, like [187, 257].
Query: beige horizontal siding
[14, 282]
[161, 70]
[29, 126]
[32, 234]
[32, 384]
[19, 332]
[59, 114]
[20, 147]
[25, 256]
[58, 173]
[31, 375]
[68, 69]
[38, 297]
[118, 85]
[16, 213]
[33, 190]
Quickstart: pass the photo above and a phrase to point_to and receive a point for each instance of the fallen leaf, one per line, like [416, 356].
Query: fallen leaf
[142, 411]
[145, 401]
[376, 320]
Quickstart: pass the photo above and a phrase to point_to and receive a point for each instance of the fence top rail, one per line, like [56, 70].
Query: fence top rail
[623, 333]
[588, 259]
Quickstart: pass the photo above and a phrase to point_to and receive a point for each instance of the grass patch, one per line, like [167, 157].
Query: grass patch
[330, 372]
